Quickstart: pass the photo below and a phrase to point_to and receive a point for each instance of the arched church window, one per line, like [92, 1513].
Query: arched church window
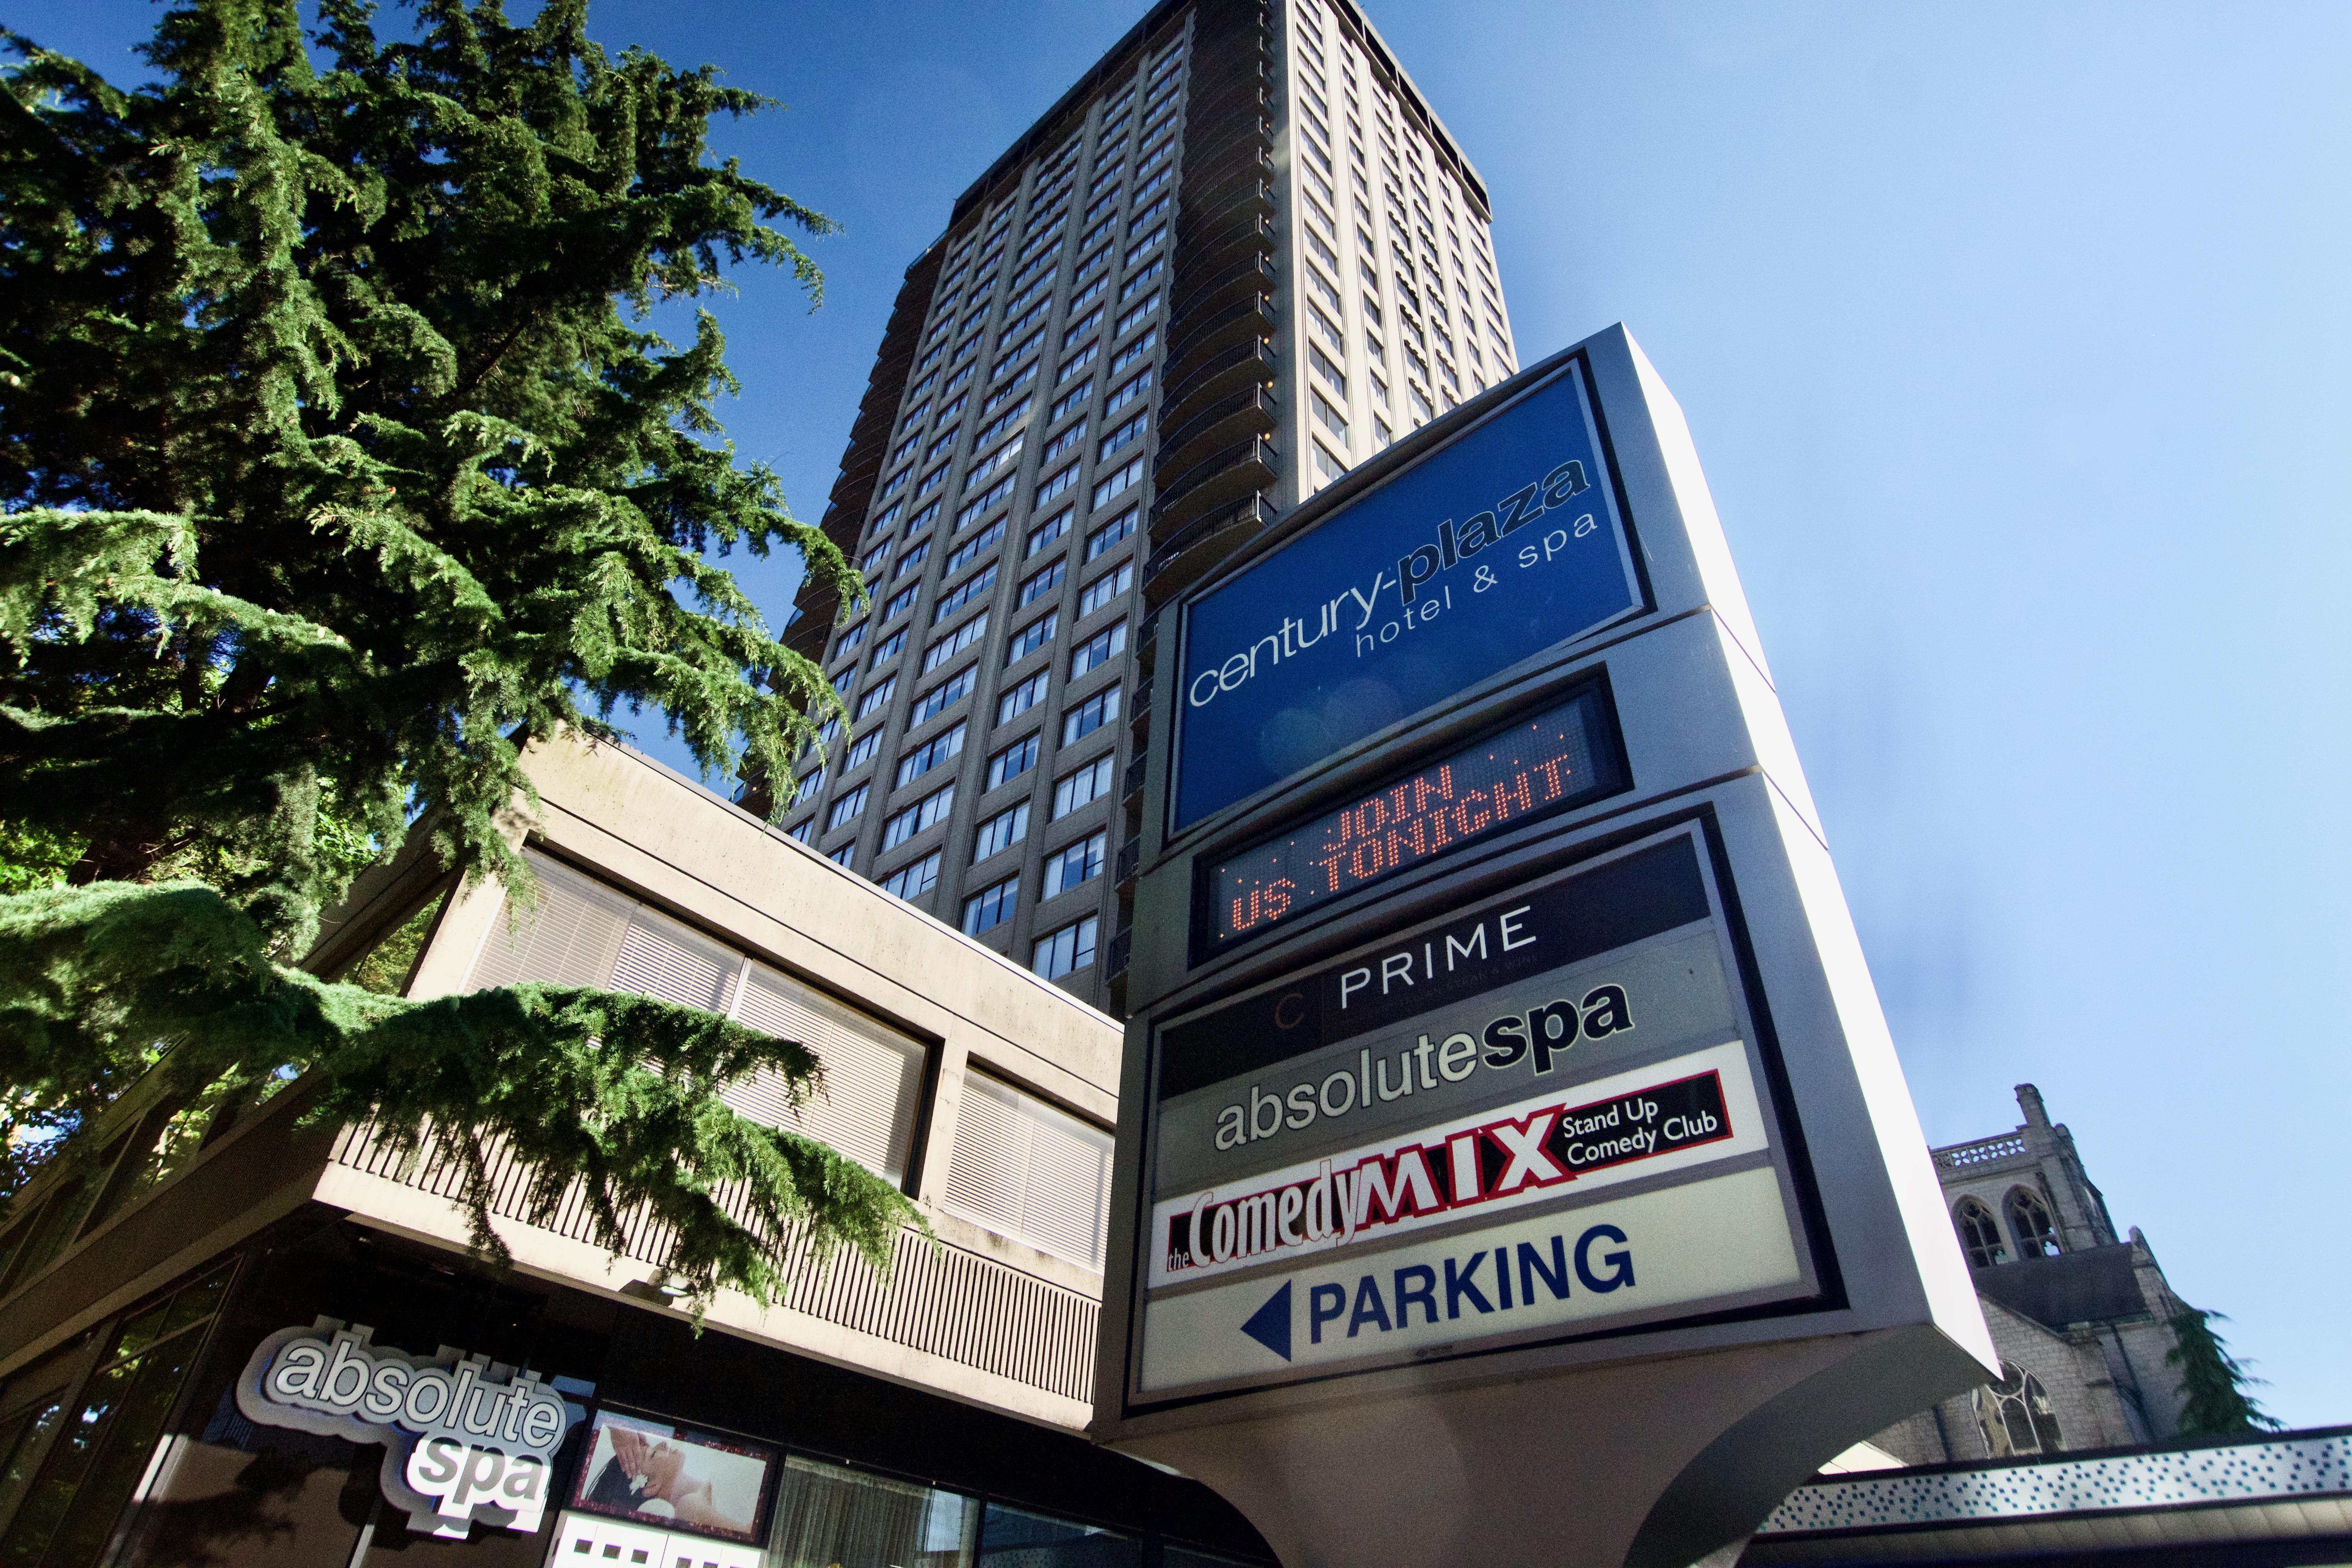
[1980, 1234]
[2029, 1221]
[2015, 1413]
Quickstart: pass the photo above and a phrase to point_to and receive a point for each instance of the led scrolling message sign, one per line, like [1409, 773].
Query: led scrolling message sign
[1559, 759]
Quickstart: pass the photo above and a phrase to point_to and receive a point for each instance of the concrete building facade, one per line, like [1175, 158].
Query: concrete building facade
[936, 1417]
[1240, 256]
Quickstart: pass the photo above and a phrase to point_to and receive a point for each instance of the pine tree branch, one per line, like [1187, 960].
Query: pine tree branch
[2213, 1383]
[321, 385]
[615, 1096]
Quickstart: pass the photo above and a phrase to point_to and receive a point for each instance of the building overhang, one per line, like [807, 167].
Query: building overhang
[2274, 1499]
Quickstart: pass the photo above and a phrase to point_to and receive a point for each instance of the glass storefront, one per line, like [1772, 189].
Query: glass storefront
[830, 1517]
[226, 1420]
[78, 1446]
[1016, 1538]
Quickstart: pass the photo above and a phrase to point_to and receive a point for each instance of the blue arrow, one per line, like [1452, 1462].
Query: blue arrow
[1270, 1324]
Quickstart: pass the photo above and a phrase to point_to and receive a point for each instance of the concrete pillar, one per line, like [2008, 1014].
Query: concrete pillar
[1645, 1465]
[2063, 1185]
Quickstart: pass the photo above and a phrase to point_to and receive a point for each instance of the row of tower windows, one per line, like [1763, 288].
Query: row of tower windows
[1047, 218]
[1431, 380]
[1055, 171]
[2029, 1224]
[1034, 267]
[1417, 153]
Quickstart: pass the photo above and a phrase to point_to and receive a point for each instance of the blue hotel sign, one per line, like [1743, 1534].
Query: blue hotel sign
[1503, 544]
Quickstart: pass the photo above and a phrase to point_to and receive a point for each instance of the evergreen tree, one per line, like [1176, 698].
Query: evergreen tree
[2213, 1383]
[337, 464]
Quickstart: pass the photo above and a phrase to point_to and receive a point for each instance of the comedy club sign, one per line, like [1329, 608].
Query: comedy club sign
[463, 1439]
[1537, 1111]
[1482, 555]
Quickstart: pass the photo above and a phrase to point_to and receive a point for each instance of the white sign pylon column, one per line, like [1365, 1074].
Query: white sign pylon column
[1514, 1163]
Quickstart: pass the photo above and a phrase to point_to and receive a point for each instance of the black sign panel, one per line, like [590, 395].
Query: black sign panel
[1683, 1114]
[1616, 903]
[1552, 762]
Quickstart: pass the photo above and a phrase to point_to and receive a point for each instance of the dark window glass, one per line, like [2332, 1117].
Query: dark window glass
[1015, 1538]
[1012, 761]
[22, 1437]
[1979, 1236]
[71, 1511]
[2015, 1415]
[985, 911]
[2029, 1219]
[826, 1514]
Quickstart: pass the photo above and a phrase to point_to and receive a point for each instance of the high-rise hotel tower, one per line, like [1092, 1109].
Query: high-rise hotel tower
[1239, 257]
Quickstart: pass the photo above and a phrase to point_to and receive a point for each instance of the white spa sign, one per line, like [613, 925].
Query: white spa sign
[463, 1439]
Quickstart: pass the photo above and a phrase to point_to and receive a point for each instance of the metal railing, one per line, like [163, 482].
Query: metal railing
[1983, 1151]
[946, 1300]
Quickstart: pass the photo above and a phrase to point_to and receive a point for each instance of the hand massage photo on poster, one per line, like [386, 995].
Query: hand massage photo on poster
[649, 1472]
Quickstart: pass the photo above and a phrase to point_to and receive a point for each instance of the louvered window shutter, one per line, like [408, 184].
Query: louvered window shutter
[584, 934]
[1068, 1202]
[873, 1075]
[571, 938]
[985, 1168]
[1031, 1171]
[663, 959]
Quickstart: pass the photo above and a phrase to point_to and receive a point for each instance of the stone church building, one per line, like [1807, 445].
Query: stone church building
[2080, 1316]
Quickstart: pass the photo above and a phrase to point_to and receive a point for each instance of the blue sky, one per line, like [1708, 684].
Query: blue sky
[2014, 340]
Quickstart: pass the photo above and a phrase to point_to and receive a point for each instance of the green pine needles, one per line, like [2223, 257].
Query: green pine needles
[2213, 1383]
[337, 465]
